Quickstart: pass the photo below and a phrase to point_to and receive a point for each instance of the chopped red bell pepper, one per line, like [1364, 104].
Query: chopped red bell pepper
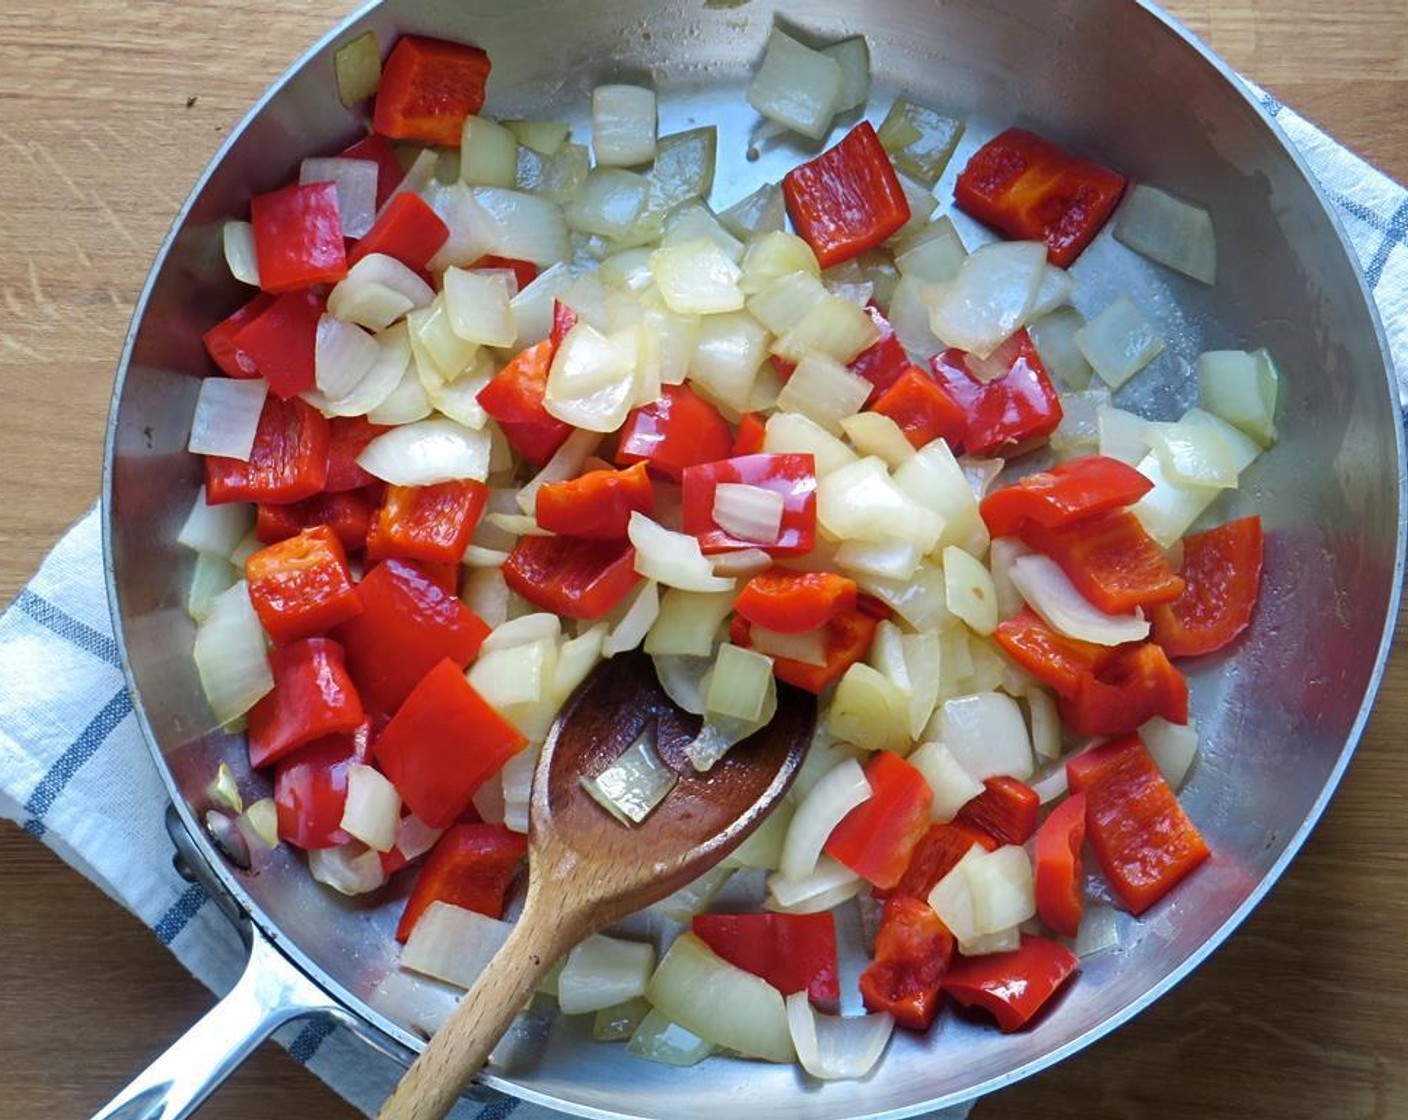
[310, 789]
[348, 438]
[1136, 684]
[472, 866]
[281, 342]
[430, 523]
[443, 743]
[913, 951]
[680, 429]
[409, 624]
[792, 476]
[277, 523]
[563, 320]
[1014, 985]
[313, 697]
[596, 505]
[408, 229]
[1109, 558]
[848, 638]
[220, 341]
[1010, 414]
[302, 586]
[792, 602]
[792, 952]
[1007, 810]
[750, 437]
[1222, 576]
[936, 854]
[444, 576]
[571, 577]
[524, 272]
[298, 238]
[1057, 661]
[1144, 841]
[514, 398]
[877, 837]
[1059, 876]
[848, 199]
[886, 361]
[349, 515]
[389, 171]
[922, 408]
[1064, 494]
[428, 87]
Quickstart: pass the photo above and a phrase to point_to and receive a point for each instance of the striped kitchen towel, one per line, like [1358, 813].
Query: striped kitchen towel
[75, 773]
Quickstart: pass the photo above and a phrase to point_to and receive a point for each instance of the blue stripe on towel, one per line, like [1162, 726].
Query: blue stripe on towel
[80, 634]
[179, 914]
[68, 764]
[306, 1044]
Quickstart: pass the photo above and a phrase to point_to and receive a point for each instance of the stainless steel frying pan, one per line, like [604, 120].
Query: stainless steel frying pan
[1279, 715]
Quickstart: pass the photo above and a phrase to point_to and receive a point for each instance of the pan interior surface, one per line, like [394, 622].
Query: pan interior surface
[1278, 715]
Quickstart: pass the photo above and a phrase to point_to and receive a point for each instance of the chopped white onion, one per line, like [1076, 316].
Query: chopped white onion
[774, 255]
[923, 663]
[210, 576]
[763, 847]
[853, 56]
[1052, 595]
[372, 812]
[472, 230]
[969, 587]
[796, 86]
[1057, 286]
[740, 563]
[834, 326]
[477, 305]
[694, 897]
[1169, 231]
[870, 710]
[633, 785]
[991, 296]
[377, 291]
[488, 153]
[660, 1039]
[357, 68]
[729, 350]
[390, 392]
[987, 735]
[414, 837]
[921, 203]
[1192, 455]
[542, 136]
[1045, 723]
[894, 558]
[833, 796]
[862, 502]
[671, 558]
[227, 417]
[516, 778]
[636, 622]
[786, 301]
[934, 478]
[1079, 430]
[1173, 747]
[603, 971]
[1241, 388]
[623, 125]
[216, 529]
[532, 306]
[739, 683]
[261, 821]
[952, 898]
[830, 884]
[934, 253]
[749, 513]
[833, 1048]
[1099, 930]
[1051, 784]
[427, 452]
[238, 240]
[523, 227]
[1002, 887]
[809, 647]
[789, 433]
[356, 182]
[920, 140]
[763, 211]
[421, 1003]
[1054, 336]
[343, 355]
[453, 944]
[697, 278]
[722, 732]
[349, 869]
[520, 631]
[1119, 342]
[591, 382]
[921, 600]
[1121, 434]
[909, 315]
[952, 786]
[230, 656]
[611, 201]
[687, 623]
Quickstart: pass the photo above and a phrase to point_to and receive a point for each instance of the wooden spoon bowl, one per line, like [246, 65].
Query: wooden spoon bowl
[586, 869]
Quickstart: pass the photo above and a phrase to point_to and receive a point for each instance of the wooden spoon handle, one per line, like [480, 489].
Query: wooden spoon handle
[461, 1047]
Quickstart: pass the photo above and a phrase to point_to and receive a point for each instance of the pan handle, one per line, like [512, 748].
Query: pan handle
[270, 992]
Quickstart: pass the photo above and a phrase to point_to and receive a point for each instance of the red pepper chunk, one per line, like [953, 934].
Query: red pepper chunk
[1109, 558]
[430, 523]
[298, 238]
[408, 230]
[409, 624]
[1006, 810]
[792, 602]
[348, 515]
[750, 437]
[913, 952]
[1057, 661]
[1031, 190]
[301, 586]
[428, 87]
[1065, 494]
[848, 638]
[936, 854]
[281, 342]
[1136, 684]
[680, 429]
[1059, 876]
[571, 577]
[348, 438]
[563, 320]
[1144, 841]
[313, 697]
[1014, 985]
[220, 342]
[1011, 413]
[471, 866]
[514, 398]
[922, 409]
[310, 789]
[878, 836]
[792, 952]
[389, 171]
[886, 361]
[792, 476]
[289, 460]
[596, 505]
[848, 199]
[443, 743]
[1222, 576]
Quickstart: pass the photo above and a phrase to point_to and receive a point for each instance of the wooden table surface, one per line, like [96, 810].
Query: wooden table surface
[108, 111]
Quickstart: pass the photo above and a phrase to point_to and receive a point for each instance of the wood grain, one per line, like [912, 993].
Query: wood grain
[109, 110]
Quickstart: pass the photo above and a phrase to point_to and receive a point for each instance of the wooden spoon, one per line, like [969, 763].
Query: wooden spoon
[586, 870]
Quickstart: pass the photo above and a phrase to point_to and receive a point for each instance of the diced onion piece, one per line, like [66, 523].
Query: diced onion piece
[676, 341]
[923, 662]
[835, 327]
[532, 306]
[1099, 930]
[868, 710]
[610, 203]
[1243, 449]
[349, 869]
[1052, 595]
[1119, 342]
[441, 355]
[720, 732]
[591, 381]
[809, 648]
[414, 837]
[390, 387]
[623, 125]
[477, 306]
[343, 356]
[245, 549]
[522, 226]
[224, 790]
[603, 971]
[1173, 747]
[831, 884]
[833, 1048]
[261, 819]
[356, 182]
[787, 301]
[971, 594]
[628, 270]
[216, 529]
[488, 153]
[517, 780]
[921, 203]
[909, 315]
[853, 56]
[987, 735]
[697, 278]
[560, 177]
[694, 897]
[1003, 553]
[741, 563]
[952, 898]
[632, 786]
[1121, 434]
[991, 296]
[789, 433]
[1003, 941]
[1002, 887]
[934, 254]
[1054, 336]
[227, 417]
[522, 630]
[671, 558]
[774, 255]
[729, 349]
[952, 786]
[692, 220]
[920, 140]
[373, 808]
[519, 674]
[1167, 230]
[418, 179]
[796, 86]
[460, 401]
[687, 623]
[1167, 511]
[575, 659]
[1051, 784]
[238, 239]
[1192, 455]
[230, 656]
[1057, 286]
[473, 233]
[377, 291]
[739, 683]
[921, 600]
[640, 616]
[1045, 723]
[427, 452]
[453, 944]
[763, 211]
[834, 795]
[357, 68]
[1079, 430]
[682, 678]
[660, 1039]
[862, 502]
[542, 136]
[750, 513]
[763, 848]
[894, 559]
[211, 575]
[934, 478]
[1241, 388]
[683, 170]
